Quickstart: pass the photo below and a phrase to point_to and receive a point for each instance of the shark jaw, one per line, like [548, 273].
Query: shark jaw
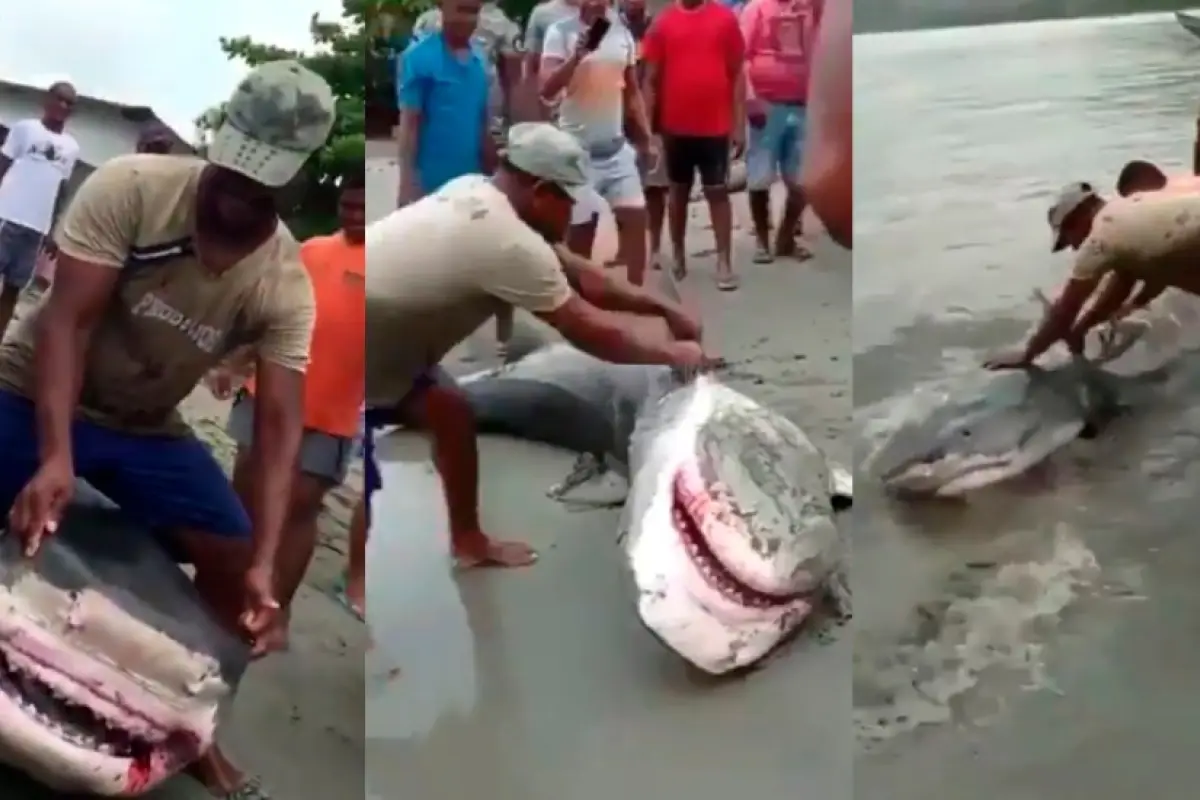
[76, 737]
[717, 616]
[94, 700]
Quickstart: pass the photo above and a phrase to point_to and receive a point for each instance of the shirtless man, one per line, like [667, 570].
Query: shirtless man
[166, 264]
[484, 247]
[1151, 238]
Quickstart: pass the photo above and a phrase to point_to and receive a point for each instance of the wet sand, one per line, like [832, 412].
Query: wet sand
[540, 684]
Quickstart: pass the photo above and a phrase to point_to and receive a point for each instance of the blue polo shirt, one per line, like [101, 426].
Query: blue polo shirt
[450, 91]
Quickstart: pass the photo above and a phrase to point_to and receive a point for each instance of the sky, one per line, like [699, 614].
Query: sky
[156, 53]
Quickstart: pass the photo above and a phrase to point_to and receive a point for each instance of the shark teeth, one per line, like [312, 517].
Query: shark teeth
[716, 574]
[78, 724]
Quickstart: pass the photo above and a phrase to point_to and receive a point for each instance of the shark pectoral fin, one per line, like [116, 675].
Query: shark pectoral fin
[604, 488]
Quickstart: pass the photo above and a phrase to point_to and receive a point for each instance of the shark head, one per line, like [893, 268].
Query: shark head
[729, 525]
[994, 433]
[103, 688]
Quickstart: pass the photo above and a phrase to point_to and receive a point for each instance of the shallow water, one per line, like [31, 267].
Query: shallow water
[1034, 625]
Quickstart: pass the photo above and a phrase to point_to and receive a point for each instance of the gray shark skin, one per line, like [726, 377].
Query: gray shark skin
[729, 524]
[1003, 424]
[113, 677]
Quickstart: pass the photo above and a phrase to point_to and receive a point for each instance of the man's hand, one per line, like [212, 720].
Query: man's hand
[50, 247]
[756, 113]
[39, 507]
[737, 141]
[260, 610]
[1017, 359]
[690, 356]
[649, 154]
[222, 382]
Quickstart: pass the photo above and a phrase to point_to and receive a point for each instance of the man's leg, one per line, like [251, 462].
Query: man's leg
[436, 406]
[322, 465]
[19, 248]
[760, 174]
[356, 563]
[504, 331]
[713, 166]
[585, 217]
[654, 186]
[679, 155]
[175, 486]
[621, 185]
[790, 148]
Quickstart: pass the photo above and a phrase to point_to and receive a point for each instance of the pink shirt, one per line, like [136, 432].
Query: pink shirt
[780, 35]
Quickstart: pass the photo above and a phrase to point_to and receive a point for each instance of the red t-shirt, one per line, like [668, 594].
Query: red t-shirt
[698, 53]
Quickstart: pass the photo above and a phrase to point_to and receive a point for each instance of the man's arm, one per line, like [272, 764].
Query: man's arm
[279, 412]
[508, 68]
[1196, 150]
[558, 64]
[637, 121]
[603, 289]
[1060, 318]
[410, 91]
[528, 275]
[737, 76]
[1110, 300]
[14, 143]
[827, 171]
[93, 242]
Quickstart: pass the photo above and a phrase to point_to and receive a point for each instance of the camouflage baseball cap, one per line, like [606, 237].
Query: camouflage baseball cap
[543, 151]
[279, 115]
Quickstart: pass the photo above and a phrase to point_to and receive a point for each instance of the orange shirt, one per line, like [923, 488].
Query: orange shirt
[333, 386]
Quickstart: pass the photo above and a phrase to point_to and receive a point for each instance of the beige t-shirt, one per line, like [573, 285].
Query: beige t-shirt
[170, 318]
[440, 268]
[1149, 235]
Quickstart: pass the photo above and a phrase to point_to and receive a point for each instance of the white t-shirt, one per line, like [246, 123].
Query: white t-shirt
[42, 161]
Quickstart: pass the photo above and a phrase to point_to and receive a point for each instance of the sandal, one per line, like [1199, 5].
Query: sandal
[728, 283]
[762, 255]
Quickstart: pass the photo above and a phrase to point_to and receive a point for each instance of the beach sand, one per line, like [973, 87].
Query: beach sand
[540, 684]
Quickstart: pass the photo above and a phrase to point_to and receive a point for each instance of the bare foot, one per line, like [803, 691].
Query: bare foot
[478, 550]
[356, 595]
[679, 269]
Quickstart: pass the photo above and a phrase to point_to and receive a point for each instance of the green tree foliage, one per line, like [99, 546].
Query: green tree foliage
[339, 54]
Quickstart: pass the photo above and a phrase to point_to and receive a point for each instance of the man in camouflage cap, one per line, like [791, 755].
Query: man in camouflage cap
[166, 265]
[486, 245]
[279, 116]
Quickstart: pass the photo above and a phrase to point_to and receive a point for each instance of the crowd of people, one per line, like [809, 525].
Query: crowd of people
[657, 103]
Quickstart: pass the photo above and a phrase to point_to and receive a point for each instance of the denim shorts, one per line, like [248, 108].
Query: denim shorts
[774, 150]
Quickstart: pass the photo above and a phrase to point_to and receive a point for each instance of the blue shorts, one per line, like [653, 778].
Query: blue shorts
[383, 417]
[165, 483]
[775, 148]
[19, 250]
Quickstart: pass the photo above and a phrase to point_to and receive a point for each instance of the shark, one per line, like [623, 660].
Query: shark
[988, 429]
[729, 522]
[113, 676]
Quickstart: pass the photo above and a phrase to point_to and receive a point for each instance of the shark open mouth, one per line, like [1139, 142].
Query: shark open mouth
[687, 509]
[84, 727]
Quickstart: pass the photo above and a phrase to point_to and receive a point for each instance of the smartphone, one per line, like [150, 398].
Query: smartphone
[596, 33]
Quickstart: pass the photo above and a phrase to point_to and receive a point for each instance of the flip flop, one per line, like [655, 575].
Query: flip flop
[728, 283]
[490, 561]
[337, 593]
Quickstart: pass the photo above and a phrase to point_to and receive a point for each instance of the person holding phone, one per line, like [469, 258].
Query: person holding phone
[591, 61]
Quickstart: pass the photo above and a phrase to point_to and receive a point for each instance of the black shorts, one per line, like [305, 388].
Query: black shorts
[687, 155]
